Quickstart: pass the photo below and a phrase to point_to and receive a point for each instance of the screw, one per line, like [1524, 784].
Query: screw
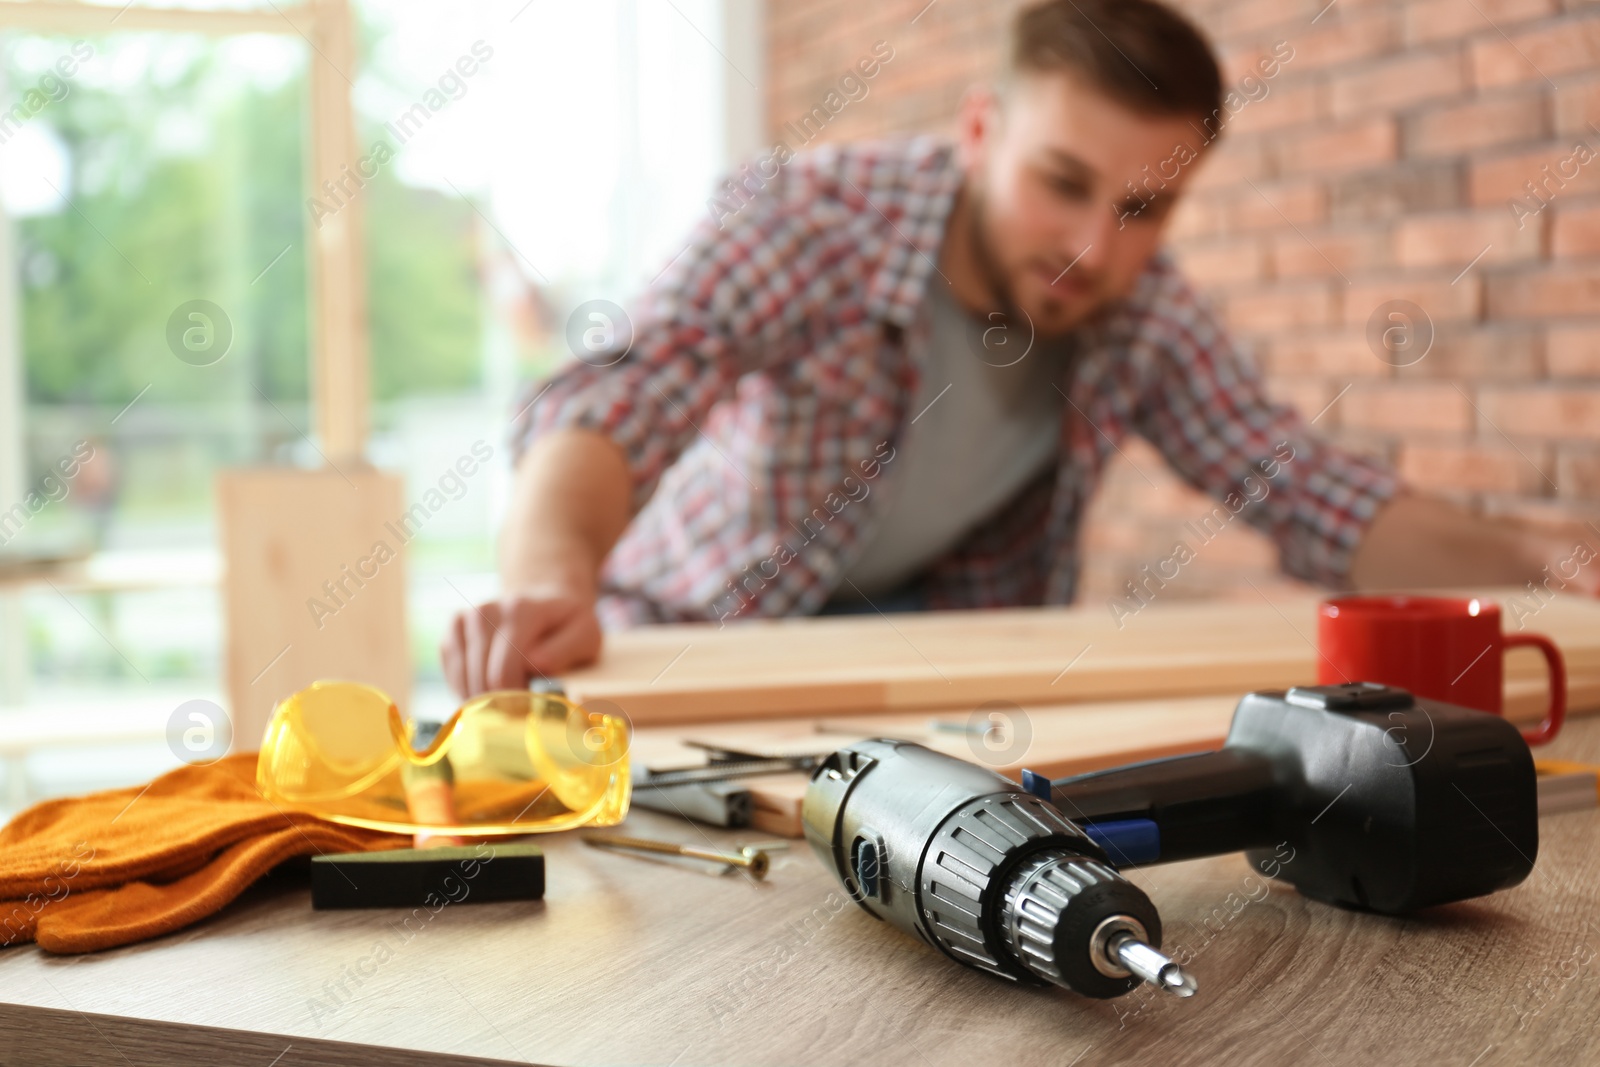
[753, 860]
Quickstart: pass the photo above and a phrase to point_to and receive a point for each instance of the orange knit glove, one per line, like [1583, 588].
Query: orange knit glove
[87, 873]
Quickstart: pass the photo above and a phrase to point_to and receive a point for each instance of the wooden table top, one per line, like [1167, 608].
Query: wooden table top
[629, 961]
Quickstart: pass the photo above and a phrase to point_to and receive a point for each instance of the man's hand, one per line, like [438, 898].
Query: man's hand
[1420, 542]
[1570, 552]
[505, 643]
[568, 506]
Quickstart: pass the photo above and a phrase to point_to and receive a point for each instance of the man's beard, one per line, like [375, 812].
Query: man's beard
[988, 264]
[993, 274]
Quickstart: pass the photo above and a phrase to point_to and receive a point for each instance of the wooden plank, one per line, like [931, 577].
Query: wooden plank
[1054, 740]
[1527, 699]
[793, 667]
[629, 961]
[775, 805]
[299, 602]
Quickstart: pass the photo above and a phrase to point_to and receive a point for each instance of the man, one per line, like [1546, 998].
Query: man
[891, 377]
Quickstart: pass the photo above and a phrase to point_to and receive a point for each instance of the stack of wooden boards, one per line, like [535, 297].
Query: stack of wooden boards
[1065, 689]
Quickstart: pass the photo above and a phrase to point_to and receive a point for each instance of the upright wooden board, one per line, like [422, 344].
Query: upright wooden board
[314, 585]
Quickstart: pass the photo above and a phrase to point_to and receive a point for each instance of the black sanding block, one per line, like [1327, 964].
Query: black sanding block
[428, 877]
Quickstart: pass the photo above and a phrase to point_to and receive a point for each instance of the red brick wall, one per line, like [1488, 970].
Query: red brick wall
[1381, 161]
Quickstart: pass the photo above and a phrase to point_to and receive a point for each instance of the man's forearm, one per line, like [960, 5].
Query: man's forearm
[1419, 542]
[569, 504]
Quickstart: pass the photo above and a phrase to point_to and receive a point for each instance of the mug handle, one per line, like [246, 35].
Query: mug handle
[1547, 730]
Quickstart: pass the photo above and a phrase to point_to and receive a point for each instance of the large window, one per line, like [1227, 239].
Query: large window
[158, 292]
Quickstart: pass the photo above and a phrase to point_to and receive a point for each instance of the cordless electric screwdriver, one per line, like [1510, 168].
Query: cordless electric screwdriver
[1385, 802]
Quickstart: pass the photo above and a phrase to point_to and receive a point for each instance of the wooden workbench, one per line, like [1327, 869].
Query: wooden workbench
[629, 961]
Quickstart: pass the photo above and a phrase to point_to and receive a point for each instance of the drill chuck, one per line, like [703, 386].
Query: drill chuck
[1075, 922]
[986, 873]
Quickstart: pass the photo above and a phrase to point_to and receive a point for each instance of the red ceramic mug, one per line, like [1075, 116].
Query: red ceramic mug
[1442, 648]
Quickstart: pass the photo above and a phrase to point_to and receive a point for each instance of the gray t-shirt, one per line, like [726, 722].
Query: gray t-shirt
[985, 422]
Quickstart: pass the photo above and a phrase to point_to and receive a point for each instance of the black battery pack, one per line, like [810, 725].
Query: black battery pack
[428, 877]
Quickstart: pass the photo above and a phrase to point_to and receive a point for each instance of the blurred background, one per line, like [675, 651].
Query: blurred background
[172, 166]
[509, 162]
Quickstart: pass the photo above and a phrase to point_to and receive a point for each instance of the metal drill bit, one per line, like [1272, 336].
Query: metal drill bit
[1150, 965]
[754, 860]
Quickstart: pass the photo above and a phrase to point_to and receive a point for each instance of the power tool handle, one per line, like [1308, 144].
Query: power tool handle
[1205, 804]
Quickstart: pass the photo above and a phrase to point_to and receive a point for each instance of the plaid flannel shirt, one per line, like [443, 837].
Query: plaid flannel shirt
[769, 379]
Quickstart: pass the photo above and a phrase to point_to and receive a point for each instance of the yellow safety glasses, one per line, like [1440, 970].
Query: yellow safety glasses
[508, 762]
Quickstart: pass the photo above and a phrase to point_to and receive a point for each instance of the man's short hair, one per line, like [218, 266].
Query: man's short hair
[1140, 53]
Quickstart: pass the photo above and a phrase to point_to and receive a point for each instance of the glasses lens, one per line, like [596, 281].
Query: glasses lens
[506, 762]
[328, 740]
[578, 749]
[569, 756]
